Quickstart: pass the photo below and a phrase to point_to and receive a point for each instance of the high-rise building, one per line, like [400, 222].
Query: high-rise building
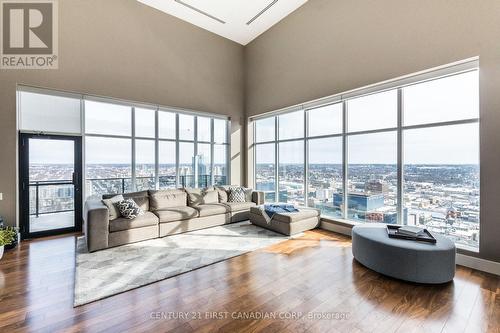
[369, 207]
[324, 194]
[376, 186]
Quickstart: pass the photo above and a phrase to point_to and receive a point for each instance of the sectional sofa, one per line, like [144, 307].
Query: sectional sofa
[166, 212]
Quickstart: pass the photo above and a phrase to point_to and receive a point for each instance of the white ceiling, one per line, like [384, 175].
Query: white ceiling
[238, 20]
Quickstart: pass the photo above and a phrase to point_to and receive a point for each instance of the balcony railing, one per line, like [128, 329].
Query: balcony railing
[96, 187]
[51, 196]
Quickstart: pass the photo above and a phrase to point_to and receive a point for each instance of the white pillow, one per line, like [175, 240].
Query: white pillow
[210, 197]
[248, 194]
[112, 204]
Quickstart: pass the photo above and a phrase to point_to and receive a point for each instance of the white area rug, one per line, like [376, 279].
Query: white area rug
[109, 272]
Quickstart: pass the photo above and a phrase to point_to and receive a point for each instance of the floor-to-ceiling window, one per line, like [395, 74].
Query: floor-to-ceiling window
[220, 168]
[291, 158]
[130, 146]
[167, 150]
[108, 148]
[406, 153]
[145, 148]
[325, 171]
[372, 157]
[441, 156]
[265, 157]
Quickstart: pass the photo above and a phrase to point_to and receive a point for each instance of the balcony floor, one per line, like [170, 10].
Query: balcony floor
[52, 221]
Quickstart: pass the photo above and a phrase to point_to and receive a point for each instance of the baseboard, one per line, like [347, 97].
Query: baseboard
[460, 259]
[478, 263]
[340, 229]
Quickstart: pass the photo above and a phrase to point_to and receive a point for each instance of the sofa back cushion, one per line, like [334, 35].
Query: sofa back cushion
[194, 196]
[164, 199]
[223, 195]
[140, 198]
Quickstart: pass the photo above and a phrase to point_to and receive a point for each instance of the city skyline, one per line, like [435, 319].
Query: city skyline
[442, 197]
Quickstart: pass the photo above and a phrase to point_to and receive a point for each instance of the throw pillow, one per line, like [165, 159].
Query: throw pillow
[236, 195]
[222, 194]
[129, 209]
[111, 203]
[195, 196]
[210, 197]
[247, 191]
[248, 194]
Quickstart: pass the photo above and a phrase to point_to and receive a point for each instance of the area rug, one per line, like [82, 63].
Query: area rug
[109, 272]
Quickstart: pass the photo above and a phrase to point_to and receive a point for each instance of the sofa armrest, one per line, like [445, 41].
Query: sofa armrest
[258, 197]
[96, 219]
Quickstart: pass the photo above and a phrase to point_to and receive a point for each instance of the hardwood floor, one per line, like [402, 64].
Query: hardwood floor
[312, 275]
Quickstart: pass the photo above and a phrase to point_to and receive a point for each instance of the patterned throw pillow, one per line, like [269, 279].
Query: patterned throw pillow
[247, 191]
[236, 194]
[129, 209]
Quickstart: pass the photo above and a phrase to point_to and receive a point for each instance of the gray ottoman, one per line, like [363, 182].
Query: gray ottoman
[403, 259]
[287, 223]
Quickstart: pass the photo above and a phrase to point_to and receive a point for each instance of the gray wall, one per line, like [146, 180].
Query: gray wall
[123, 49]
[326, 47]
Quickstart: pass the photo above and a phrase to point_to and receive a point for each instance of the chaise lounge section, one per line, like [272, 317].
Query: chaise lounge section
[166, 212]
[286, 223]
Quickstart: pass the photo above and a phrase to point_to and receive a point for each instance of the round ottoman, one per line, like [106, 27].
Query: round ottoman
[403, 259]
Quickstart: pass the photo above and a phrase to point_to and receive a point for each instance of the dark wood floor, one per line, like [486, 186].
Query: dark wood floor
[312, 275]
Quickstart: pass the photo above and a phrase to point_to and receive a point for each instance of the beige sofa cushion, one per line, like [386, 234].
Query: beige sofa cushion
[145, 220]
[239, 206]
[164, 199]
[198, 196]
[140, 198]
[179, 213]
[212, 209]
[302, 214]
